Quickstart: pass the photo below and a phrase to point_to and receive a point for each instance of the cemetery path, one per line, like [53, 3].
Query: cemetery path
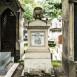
[59, 72]
[18, 71]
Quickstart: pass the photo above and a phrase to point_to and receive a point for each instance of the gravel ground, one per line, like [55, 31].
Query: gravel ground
[59, 72]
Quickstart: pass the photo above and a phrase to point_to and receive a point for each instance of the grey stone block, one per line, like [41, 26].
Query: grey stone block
[5, 59]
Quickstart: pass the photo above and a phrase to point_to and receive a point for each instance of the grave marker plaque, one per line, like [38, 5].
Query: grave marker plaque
[37, 39]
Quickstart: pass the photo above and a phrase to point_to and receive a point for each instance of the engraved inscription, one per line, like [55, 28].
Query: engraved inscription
[37, 39]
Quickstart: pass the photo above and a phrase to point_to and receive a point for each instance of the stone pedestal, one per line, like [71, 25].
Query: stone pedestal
[38, 57]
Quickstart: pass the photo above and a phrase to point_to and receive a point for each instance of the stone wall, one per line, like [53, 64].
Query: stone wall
[65, 16]
[12, 7]
[17, 9]
[68, 38]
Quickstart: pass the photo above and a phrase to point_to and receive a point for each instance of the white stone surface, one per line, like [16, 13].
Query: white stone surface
[37, 65]
[38, 49]
[12, 70]
[37, 38]
[57, 54]
[23, 57]
[56, 23]
[45, 39]
[2, 76]
[35, 23]
[38, 55]
[38, 22]
[21, 49]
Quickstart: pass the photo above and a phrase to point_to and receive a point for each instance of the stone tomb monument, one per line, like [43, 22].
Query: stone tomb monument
[11, 28]
[38, 57]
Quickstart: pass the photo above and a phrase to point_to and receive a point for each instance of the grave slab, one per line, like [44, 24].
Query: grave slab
[5, 60]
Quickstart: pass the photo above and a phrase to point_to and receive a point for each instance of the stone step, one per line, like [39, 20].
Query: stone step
[22, 75]
[12, 70]
[5, 59]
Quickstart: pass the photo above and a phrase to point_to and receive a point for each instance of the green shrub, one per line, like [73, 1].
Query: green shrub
[21, 61]
[56, 63]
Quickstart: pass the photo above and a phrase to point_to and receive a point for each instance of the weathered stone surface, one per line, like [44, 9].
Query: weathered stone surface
[42, 55]
[38, 56]
[37, 65]
[16, 8]
[5, 59]
[43, 23]
[38, 13]
[68, 38]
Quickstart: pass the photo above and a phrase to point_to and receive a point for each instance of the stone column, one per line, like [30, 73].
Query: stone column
[17, 52]
[21, 42]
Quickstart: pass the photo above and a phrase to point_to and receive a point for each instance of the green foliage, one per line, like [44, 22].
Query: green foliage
[28, 14]
[28, 6]
[21, 61]
[56, 63]
[28, 1]
[26, 46]
[52, 7]
[23, 2]
[52, 49]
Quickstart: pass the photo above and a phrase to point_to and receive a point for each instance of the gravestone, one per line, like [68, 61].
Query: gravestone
[69, 8]
[5, 60]
[37, 57]
[11, 28]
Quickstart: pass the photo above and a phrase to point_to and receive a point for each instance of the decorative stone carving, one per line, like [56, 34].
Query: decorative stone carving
[38, 13]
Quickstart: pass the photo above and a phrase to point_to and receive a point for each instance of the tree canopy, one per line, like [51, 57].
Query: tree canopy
[51, 7]
[28, 14]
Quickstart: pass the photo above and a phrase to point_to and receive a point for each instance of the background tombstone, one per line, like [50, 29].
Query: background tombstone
[38, 57]
[11, 28]
[69, 12]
